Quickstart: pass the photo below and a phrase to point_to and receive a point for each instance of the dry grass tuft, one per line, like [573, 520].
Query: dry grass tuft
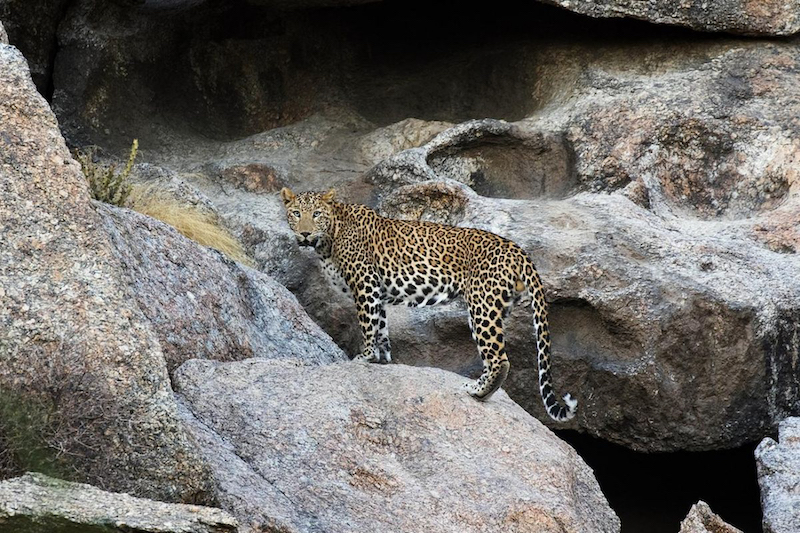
[202, 227]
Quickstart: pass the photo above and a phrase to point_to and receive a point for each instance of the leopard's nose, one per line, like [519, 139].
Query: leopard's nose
[305, 234]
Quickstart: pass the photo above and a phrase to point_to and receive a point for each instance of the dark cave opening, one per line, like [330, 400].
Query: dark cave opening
[227, 70]
[653, 492]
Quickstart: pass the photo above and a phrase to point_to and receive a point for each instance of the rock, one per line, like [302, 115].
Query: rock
[381, 448]
[779, 478]
[224, 71]
[31, 26]
[495, 158]
[410, 133]
[204, 305]
[771, 17]
[661, 281]
[38, 503]
[701, 519]
[85, 386]
[652, 179]
[3, 35]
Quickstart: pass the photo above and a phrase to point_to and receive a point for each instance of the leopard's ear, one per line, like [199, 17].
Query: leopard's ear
[329, 196]
[287, 195]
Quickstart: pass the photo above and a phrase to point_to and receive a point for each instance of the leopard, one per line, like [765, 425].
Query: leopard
[380, 261]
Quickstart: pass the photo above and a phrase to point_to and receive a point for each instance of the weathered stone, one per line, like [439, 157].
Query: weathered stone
[767, 17]
[257, 178]
[35, 503]
[661, 285]
[204, 305]
[410, 133]
[701, 519]
[381, 448]
[31, 27]
[3, 35]
[224, 70]
[84, 384]
[656, 175]
[495, 158]
[779, 478]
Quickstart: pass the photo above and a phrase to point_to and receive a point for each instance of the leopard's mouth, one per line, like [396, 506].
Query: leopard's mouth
[310, 241]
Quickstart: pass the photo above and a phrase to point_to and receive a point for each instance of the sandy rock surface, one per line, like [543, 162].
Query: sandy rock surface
[357, 447]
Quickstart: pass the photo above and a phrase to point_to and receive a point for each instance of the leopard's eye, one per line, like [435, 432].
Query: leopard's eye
[317, 214]
[296, 214]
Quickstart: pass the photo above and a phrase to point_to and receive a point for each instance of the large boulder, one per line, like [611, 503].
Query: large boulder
[672, 298]
[779, 478]
[84, 383]
[767, 17]
[357, 447]
[202, 304]
[661, 208]
[35, 503]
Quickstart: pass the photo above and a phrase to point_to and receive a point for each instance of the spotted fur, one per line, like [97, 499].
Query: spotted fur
[384, 261]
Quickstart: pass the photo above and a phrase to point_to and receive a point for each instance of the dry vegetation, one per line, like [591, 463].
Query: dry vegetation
[112, 187]
[56, 422]
[193, 222]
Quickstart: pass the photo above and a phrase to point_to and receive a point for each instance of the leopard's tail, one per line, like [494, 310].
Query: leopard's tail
[557, 411]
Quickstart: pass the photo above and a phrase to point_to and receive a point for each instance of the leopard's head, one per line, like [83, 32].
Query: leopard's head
[309, 214]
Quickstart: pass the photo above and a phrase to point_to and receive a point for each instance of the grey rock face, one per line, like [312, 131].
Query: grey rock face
[779, 478]
[701, 519]
[31, 27]
[660, 207]
[204, 305]
[37, 503]
[653, 181]
[232, 63]
[670, 286]
[3, 35]
[85, 387]
[355, 447]
[770, 17]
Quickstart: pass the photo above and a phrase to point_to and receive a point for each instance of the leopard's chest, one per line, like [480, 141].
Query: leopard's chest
[334, 276]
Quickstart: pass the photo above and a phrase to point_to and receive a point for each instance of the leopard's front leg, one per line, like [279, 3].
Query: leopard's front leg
[370, 305]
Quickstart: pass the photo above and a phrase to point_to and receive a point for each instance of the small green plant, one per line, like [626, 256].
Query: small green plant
[105, 183]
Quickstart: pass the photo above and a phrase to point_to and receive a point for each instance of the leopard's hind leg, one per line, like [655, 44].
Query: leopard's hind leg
[486, 309]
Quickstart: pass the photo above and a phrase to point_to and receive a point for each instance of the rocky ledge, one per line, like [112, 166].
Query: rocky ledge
[768, 17]
[358, 447]
[38, 503]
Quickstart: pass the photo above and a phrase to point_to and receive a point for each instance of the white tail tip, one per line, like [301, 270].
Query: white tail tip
[571, 403]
